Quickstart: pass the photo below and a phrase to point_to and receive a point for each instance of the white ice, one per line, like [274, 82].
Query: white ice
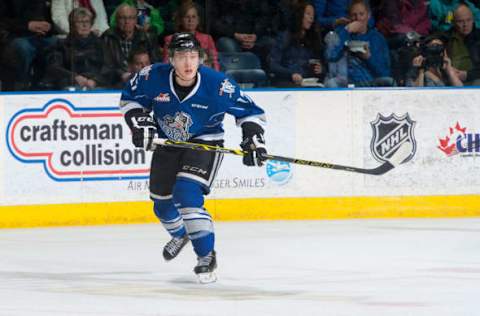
[351, 267]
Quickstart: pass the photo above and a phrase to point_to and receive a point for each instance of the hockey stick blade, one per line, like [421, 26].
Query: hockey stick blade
[400, 155]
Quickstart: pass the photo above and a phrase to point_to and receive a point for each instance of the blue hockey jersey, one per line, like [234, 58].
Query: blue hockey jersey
[199, 116]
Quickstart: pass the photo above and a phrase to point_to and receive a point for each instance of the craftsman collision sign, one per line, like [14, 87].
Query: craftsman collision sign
[76, 143]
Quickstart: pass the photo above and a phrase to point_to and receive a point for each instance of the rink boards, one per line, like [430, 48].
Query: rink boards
[67, 158]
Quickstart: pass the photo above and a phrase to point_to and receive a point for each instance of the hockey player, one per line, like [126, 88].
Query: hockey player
[185, 101]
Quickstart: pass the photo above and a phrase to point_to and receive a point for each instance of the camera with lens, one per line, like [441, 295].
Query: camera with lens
[412, 39]
[411, 48]
[433, 54]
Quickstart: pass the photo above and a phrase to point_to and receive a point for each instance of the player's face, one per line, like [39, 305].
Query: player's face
[186, 64]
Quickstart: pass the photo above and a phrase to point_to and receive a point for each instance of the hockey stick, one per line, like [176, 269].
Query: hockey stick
[398, 157]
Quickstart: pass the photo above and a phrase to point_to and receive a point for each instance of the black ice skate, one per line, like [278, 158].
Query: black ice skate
[205, 268]
[173, 247]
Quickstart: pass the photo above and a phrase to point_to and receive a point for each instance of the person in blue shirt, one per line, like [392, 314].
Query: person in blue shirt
[359, 54]
[333, 13]
[185, 101]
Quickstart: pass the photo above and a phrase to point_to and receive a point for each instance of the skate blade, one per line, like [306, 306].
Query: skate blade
[205, 278]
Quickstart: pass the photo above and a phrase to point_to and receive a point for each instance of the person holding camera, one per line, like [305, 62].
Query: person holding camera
[432, 67]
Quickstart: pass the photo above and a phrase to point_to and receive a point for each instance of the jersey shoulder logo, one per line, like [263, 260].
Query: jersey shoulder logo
[162, 97]
[227, 87]
[145, 72]
[176, 127]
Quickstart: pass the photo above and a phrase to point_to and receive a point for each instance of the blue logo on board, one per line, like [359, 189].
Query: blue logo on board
[279, 172]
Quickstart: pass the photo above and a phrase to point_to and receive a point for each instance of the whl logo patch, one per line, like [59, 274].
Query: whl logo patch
[389, 133]
[458, 141]
[75, 144]
[279, 172]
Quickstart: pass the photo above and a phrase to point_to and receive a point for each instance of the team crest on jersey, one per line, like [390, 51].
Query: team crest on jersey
[227, 87]
[389, 133]
[162, 97]
[176, 127]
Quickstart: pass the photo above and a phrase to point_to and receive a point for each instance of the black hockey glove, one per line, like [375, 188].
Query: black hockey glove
[254, 144]
[143, 128]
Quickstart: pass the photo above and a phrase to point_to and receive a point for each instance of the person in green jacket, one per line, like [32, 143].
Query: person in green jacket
[148, 17]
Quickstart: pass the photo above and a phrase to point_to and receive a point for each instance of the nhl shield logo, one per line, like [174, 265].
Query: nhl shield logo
[389, 132]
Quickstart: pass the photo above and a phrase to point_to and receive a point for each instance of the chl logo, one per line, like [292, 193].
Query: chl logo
[458, 141]
[389, 132]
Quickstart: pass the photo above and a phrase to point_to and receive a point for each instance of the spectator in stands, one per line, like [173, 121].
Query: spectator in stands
[242, 26]
[464, 46]
[76, 62]
[148, 17]
[61, 10]
[402, 22]
[120, 41]
[297, 53]
[432, 67]
[359, 52]
[29, 27]
[138, 60]
[168, 9]
[187, 19]
[333, 13]
[398, 17]
[441, 13]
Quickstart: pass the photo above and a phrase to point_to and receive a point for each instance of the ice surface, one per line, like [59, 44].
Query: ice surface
[352, 267]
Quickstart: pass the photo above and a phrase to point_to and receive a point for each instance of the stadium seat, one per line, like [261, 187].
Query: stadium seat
[244, 68]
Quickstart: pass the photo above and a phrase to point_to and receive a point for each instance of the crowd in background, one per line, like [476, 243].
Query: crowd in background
[95, 44]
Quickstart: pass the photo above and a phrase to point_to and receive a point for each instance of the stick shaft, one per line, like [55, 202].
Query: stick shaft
[203, 147]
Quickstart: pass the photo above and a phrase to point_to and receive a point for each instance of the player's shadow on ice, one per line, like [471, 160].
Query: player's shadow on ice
[183, 280]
